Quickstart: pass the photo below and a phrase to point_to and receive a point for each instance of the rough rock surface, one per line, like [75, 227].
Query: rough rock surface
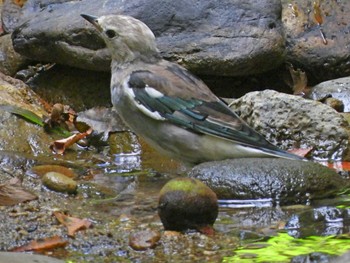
[209, 37]
[285, 181]
[10, 15]
[322, 59]
[293, 122]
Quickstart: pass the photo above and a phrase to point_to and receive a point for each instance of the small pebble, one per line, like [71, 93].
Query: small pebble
[143, 240]
[59, 182]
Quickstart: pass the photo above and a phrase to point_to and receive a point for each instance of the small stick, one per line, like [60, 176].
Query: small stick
[323, 36]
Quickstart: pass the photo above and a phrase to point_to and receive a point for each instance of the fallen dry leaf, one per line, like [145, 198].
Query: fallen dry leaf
[299, 81]
[62, 117]
[56, 112]
[206, 230]
[12, 193]
[300, 152]
[40, 170]
[317, 12]
[42, 244]
[20, 3]
[60, 146]
[62, 113]
[339, 166]
[73, 224]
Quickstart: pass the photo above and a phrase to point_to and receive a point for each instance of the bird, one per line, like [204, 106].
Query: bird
[171, 109]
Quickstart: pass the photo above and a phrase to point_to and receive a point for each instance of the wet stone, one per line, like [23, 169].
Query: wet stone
[313, 257]
[285, 181]
[59, 182]
[336, 88]
[186, 203]
[144, 239]
[322, 221]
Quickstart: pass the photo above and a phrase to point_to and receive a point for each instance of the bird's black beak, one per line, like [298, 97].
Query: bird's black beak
[93, 20]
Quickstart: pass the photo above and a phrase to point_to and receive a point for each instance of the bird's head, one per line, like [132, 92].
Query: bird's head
[126, 37]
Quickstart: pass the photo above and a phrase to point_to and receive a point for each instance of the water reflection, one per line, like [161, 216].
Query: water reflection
[127, 162]
[263, 202]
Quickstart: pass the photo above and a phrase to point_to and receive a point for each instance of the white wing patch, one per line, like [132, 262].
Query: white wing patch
[152, 92]
[153, 114]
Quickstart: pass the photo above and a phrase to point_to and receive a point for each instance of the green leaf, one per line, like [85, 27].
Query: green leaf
[25, 114]
[33, 118]
[57, 130]
[283, 247]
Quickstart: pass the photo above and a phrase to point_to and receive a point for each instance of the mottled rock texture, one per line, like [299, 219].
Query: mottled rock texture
[293, 122]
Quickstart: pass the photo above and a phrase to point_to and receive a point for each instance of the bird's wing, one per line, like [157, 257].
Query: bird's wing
[173, 94]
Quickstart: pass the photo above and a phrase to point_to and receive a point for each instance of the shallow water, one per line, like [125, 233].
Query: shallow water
[250, 221]
[118, 192]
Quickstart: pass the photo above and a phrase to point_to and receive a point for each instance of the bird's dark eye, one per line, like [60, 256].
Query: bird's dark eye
[110, 33]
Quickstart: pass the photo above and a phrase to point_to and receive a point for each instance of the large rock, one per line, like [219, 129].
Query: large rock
[209, 37]
[17, 134]
[10, 60]
[293, 122]
[285, 181]
[305, 46]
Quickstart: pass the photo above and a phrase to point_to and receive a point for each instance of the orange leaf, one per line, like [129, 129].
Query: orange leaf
[317, 13]
[339, 166]
[42, 244]
[20, 3]
[73, 224]
[40, 170]
[60, 146]
[300, 152]
[207, 230]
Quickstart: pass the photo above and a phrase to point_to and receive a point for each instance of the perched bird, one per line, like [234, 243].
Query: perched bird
[174, 111]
